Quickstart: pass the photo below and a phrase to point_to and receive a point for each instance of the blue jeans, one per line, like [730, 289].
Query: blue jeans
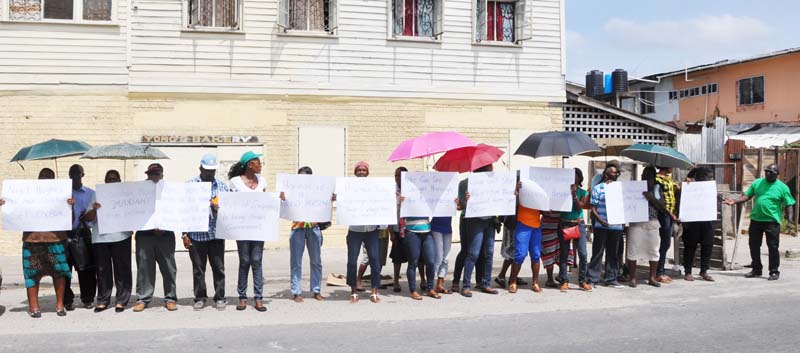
[250, 255]
[419, 244]
[564, 254]
[605, 241]
[666, 240]
[479, 235]
[441, 247]
[371, 242]
[527, 239]
[299, 239]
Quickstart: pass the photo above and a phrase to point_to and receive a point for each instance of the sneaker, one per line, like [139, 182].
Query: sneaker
[172, 306]
[586, 287]
[139, 307]
[198, 305]
[614, 284]
[220, 304]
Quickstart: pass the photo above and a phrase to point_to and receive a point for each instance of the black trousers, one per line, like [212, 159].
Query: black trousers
[202, 252]
[772, 230]
[695, 233]
[87, 281]
[113, 261]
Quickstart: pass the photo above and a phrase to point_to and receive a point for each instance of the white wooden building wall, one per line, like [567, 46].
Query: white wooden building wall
[36, 55]
[359, 61]
[599, 124]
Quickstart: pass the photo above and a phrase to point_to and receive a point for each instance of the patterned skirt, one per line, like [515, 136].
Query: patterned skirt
[44, 259]
[550, 245]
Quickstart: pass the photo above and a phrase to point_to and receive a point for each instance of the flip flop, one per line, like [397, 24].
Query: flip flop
[374, 298]
[353, 298]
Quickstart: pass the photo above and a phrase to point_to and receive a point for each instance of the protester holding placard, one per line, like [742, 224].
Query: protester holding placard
[606, 236]
[368, 236]
[44, 254]
[667, 218]
[527, 239]
[419, 247]
[245, 176]
[770, 196]
[479, 236]
[572, 221]
[205, 247]
[442, 233]
[398, 252]
[81, 232]
[112, 256]
[306, 235]
[155, 246]
[643, 237]
[700, 232]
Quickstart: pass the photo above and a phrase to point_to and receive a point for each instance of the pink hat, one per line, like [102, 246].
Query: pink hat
[361, 164]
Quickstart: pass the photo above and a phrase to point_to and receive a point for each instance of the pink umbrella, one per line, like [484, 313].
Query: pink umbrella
[467, 159]
[429, 144]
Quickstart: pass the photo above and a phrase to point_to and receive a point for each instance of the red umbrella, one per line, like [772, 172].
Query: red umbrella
[467, 159]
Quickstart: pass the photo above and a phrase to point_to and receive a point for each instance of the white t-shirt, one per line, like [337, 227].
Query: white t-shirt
[237, 184]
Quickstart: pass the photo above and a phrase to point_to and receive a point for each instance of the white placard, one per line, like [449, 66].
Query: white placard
[428, 194]
[491, 194]
[698, 201]
[248, 216]
[125, 206]
[184, 207]
[37, 205]
[555, 182]
[308, 197]
[532, 196]
[365, 201]
[625, 202]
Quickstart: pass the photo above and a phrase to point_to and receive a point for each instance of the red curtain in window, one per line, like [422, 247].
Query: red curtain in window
[410, 18]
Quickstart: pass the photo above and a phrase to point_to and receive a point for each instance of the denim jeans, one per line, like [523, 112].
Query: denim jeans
[250, 256]
[441, 248]
[605, 241]
[480, 235]
[419, 244]
[564, 254]
[666, 240]
[371, 242]
[458, 268]
[298, 241]
[527, 240]
[756, 232]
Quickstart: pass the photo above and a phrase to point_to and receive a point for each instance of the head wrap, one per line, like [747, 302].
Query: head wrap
[361, 164]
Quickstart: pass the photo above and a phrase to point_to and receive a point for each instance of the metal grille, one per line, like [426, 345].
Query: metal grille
[599, 124]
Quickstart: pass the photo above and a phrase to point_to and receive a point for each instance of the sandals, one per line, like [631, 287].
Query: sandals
[444, 291]
[61, 312]
[36, 313]
[535, 287]
[512, 288]
[688, 277]
[665, 279]
[353, 298]
[100, 308]
[374, 298]
[654, 283]
[433, 294]
[706, 277]
[416, 296]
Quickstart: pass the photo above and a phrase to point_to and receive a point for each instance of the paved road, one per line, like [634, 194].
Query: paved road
[755, 324]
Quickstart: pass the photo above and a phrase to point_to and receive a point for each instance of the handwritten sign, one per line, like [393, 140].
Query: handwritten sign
[184, 207]
[698, 201]
[428, 194]
[531, 195]
[365, 201]
[248, 216]
[308, 197]
[625, 202]
[125, 206]
[491, 194]
[37, 205]
[555, 182]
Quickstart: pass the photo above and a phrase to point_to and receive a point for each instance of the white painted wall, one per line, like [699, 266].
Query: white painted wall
[358, 61]
[665, 109]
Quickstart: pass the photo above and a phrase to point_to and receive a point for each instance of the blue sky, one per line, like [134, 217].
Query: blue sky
[651, 36]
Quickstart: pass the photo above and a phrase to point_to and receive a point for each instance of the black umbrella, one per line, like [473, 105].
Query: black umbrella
[556, 143]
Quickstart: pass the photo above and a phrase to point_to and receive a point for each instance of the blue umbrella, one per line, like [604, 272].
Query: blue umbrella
[51, 149]
[659, 156]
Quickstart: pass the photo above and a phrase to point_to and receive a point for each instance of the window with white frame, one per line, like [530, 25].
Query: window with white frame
[501, 21]
[647, 98]
[751, 90]
[61, 10]
[214, 13]
[307, 15]
[416, 18]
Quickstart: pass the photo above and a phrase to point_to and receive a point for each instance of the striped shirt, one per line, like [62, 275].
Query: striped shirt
[217, 186]
[417, 224]
[668, 188]
[598, 200]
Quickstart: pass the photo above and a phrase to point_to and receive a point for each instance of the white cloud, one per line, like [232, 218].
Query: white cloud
[709, 32]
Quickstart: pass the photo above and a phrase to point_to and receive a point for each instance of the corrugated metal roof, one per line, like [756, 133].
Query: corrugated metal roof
[769, 136]
[721, 63]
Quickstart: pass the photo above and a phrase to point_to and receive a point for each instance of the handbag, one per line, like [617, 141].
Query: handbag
[571, 233]
[79, 248]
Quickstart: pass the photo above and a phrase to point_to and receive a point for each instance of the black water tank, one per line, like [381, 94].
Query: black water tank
[594, 83]
[619, 80]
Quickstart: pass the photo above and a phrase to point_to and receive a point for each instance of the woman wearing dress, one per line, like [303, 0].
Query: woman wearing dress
[643, 237]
